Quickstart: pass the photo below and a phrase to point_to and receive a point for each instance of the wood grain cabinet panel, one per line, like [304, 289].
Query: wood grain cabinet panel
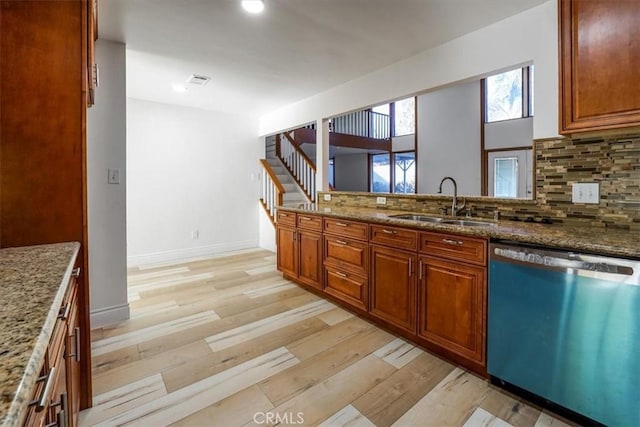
[344, 228]
[310, 258]
[287, 255]
[309, 222]
[393, 286]
[394, 237]
[454, 247]
[599, 63]
[451, 307]
[346, 253]
[347, 287]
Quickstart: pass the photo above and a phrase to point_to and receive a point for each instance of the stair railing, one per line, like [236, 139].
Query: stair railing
[365, 123]
[272, 191]
[297, 163]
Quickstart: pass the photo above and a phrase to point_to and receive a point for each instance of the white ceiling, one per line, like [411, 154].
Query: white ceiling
[295, 49]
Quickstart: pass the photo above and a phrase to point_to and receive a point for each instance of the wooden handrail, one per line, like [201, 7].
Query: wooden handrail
[299, 150]
[272, 174]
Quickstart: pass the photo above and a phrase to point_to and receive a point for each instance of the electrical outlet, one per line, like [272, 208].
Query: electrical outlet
[114, 176]
[326, 197]
[195, 234]
[585, 192]
[381, 200]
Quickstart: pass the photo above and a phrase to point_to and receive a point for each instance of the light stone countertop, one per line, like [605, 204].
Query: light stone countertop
[603, 241]
[33, 282]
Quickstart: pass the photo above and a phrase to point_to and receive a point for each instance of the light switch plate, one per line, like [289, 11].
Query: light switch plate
[326, 197]
[381, 200]
[585, 192]
[114, 176]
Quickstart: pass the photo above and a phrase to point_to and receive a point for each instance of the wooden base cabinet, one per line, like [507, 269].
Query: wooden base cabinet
[451, 307]
[299, 254]
[57, 396]
[393, 286]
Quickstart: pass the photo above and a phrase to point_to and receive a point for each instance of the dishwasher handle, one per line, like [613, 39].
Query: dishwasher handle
[550, 261]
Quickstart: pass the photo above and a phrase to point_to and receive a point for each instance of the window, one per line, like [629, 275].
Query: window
[404, 117]
[402, 175]
[509, 95]
[380, 173]
[505, 177]
[404, 180]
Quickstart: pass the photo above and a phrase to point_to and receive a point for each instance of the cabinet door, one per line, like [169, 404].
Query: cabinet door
[286, 241]
[346, 286]
[310, 258]
[599, 62]
[451, 307]
[393, 286]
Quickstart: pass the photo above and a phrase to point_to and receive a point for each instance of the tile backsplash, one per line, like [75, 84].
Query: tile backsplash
[613, 162]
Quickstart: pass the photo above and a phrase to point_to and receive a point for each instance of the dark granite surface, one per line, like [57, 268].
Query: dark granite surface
[33, 282]
[599, 240]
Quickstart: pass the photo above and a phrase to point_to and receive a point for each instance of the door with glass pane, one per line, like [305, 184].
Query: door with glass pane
[510, 174]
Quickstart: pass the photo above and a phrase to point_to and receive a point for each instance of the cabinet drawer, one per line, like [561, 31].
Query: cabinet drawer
[286, 218]
[451, 246]
[400, 238]
[348, 287]
[346, 253]
[310, 222]
[339, 227]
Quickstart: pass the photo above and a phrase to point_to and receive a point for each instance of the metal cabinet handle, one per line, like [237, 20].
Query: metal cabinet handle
[304, 218]
[453, 242]
[46, 392]
[341, 224]
[63, 314]
[76, 339]
[341, 242]
[384, 230]
[75, 272]
[420, 269]
[284, 215]
[295, 236]
[341, 274]
[63, 403]
[410, 267]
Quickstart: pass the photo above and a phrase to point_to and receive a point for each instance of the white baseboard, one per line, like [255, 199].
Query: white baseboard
[188, 253]
[109, 316]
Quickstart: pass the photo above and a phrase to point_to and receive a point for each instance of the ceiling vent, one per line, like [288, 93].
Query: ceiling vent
[198, 80]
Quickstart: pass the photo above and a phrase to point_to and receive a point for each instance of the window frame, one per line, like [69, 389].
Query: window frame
[392, 168]
[526, 92]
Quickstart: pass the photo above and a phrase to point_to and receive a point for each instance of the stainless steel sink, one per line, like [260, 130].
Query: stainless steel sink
[413, 217]
[466, 222]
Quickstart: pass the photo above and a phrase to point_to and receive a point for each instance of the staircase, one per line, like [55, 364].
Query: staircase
[279, 186]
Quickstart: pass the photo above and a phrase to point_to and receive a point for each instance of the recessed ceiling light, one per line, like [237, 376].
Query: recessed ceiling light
[253, 6]
[179, 88]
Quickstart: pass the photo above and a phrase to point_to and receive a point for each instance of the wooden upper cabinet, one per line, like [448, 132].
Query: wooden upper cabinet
[599, 63]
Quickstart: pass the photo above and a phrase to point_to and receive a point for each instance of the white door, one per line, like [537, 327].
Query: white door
[510, 174]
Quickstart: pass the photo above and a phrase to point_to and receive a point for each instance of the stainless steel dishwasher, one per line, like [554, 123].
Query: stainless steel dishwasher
[566, 327]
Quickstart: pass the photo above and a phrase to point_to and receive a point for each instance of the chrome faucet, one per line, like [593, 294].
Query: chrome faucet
[455, 209]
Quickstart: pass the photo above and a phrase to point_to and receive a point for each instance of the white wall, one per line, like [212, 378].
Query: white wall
[351, 172]
[449, 139]
[190, 170]
[106, 148]
[267, 238]
[403, 143]
[530, 36]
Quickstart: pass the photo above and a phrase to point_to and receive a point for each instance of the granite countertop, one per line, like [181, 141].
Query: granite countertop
[33, 282]
[597, 240]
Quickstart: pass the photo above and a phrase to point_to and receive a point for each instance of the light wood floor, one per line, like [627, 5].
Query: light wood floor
[226, 341]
